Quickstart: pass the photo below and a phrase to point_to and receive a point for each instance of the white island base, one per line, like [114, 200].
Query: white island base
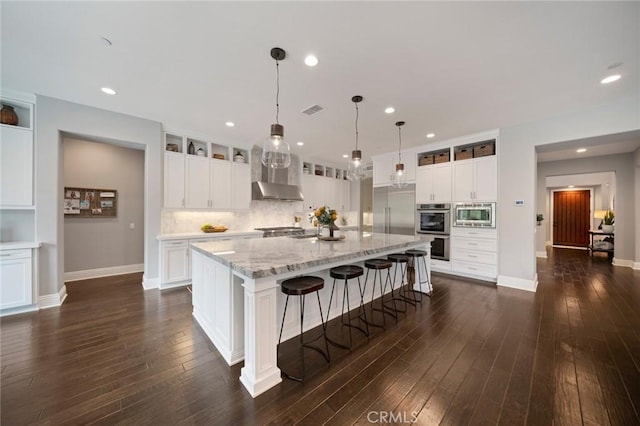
[238, 303]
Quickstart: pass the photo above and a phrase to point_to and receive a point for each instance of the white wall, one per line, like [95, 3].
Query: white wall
[623, 167]
[104, 242]
[517, 174]
[636, 264]
[53, 117]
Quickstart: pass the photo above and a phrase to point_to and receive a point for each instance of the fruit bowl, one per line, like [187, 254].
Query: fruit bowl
[218, 229]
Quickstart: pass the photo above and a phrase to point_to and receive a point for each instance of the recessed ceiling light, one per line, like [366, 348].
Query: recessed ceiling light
[345, 156]
[431, 135]
[108, 91]
[610, 79]
[581, 150]
[300, 143]
[230, 124]
[572, 186]
[311, 61]
[389, 110]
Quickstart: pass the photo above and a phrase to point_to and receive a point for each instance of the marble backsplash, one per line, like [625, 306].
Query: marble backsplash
[261, 214]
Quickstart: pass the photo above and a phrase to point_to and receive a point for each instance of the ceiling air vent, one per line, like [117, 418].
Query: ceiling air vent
[313, 109]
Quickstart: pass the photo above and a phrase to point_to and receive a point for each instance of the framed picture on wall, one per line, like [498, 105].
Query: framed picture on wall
[90, 202]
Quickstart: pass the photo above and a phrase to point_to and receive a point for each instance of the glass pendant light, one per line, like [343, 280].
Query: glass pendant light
[398, 177]
[275, 150]
[355, 171]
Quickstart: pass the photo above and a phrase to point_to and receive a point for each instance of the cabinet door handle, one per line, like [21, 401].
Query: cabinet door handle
[472, 255]
[472, 244]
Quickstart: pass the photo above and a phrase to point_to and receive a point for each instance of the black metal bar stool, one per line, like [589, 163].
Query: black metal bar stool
[346, 273]
[415, 256]
[301, 286]
[378, 265]
[400, 260]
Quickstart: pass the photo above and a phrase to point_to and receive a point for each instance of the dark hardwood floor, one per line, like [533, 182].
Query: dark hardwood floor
[473, 354]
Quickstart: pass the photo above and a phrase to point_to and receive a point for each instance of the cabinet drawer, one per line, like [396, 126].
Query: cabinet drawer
[475, 244]
[474, 232]
[15, 254]
[483, 257]
[477, 269]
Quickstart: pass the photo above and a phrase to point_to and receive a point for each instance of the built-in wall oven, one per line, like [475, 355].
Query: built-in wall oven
[435, 220]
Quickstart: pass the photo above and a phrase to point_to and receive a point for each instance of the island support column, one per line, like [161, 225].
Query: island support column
[260, 371]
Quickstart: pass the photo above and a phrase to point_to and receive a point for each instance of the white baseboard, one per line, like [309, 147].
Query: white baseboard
[519, 283]
[542, 254]
[102, 272]
[53, 300]
[150, 283]
[175, 285]
[20, 310]
[636, 266]
[548, 243]
[626, 263]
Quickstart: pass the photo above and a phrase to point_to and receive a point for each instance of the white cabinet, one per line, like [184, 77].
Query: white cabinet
[474, 252]
[433, 183]
[220, 185]
[16, 278]
[475, 179]
[324, 191]
[196, 192]
[174, 174]
[16, 166]
[240, 186]
[383, 166]
[207, 180]
[175, 261]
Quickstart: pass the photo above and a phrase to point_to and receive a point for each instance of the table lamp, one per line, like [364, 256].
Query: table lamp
[599, 214]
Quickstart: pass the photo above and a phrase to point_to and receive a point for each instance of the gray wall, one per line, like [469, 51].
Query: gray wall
[517, 175]
[92, 243]
[54, 117]
[637, 192]
[623, 166]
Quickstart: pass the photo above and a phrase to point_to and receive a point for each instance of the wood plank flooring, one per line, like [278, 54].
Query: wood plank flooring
[473, 354]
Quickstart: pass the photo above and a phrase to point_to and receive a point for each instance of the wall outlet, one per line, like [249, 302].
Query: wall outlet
[132, 226]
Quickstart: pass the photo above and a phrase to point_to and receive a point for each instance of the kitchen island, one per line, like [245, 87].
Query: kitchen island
[237, 299]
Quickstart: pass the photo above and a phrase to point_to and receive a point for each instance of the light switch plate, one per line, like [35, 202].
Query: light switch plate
[519, 203]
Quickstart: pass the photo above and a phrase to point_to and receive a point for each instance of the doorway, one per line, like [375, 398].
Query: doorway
[571, 218]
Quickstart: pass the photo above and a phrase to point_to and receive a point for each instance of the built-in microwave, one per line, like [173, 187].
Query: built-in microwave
[475, 215]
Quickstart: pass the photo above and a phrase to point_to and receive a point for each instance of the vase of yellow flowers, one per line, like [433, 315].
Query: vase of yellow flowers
[325, 217]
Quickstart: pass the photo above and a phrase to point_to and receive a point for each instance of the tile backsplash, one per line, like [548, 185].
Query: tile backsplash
[261, 214]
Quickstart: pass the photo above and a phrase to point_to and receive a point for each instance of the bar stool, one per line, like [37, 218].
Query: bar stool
[378, 265]
[398, 259]
[301, 286]
[415, 256]
[346, 273]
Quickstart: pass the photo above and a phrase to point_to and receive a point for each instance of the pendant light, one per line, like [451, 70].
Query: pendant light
[398, 177]
[355, 171]
[275, 150]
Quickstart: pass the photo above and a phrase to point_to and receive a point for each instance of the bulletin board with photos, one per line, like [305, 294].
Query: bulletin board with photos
[90, 202]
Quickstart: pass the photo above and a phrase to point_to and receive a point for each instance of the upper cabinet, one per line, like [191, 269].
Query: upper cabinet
[385, 165]
[204, 175]
[475, 172]
[16, 155]
[325, 186]
[433, 177]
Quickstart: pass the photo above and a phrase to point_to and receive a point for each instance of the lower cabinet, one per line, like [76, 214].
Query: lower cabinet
[175, 257]
[474, 252]
[16, 278]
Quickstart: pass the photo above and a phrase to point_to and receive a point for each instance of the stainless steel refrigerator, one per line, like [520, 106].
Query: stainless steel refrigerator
[394, 210]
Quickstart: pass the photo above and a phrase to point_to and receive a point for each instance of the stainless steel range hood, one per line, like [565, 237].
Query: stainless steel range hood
[275, 191]
[274, 184]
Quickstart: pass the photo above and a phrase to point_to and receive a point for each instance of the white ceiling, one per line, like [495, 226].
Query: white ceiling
[595, 147]
[451, 68]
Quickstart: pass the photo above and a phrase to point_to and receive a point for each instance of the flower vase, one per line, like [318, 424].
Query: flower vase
[324, 231]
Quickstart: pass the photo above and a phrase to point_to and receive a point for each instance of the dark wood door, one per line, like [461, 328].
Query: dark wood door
[571, 218]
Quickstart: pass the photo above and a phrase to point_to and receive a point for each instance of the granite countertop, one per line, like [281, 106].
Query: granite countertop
[200, 234]
[20, 245]
[258, 258]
